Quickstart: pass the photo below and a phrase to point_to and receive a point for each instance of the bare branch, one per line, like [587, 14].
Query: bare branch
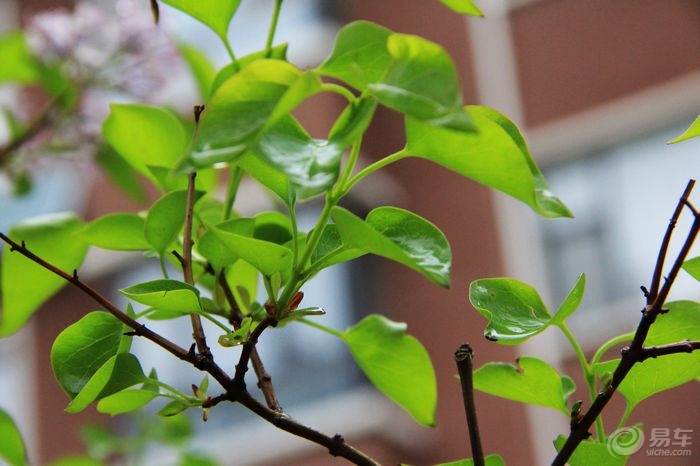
[464, 357]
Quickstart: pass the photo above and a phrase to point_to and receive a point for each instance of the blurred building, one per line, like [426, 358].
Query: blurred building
[598, 87]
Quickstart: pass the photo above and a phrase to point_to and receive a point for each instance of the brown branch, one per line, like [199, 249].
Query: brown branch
[636, 352]
[248, 347]
[336, 444]
[197, 329]
[464, 357]
[38, 123]
[138, 329]
[674, 348]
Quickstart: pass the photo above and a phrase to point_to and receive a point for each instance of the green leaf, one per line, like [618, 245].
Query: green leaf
[215, 251]
[273, 226]
[353, 122]
[422, 82]
[514, 309]
[82, 348]
[571, 302]
[145, 136]
[360, 54]
[18, 65]
[243, 278]
[268, 176]
[495, 155]
[692, 266]
[196, 459]
[166, 218]
[269, 258]
[693, 131]
[331, 250]
[311, 165]
[401, 236]
[26, 285]
[591, 452]
[119, 372]
[125, 401]
[278, 52]
[396, 363]
[465, 7]
[490, 460]
[200, 66]
[118, 231]
[530, 380]
[248, 103]
[656, 375]
[120, 172]
[11, 443]
[173, 408]
[165, 295]
[215, 14]
[77, 461]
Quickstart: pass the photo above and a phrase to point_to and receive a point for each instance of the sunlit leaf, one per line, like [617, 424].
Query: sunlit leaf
[401, 236]
[76, 461]
[215, 14]
[118, 231]
[215, 251]
[465, 7]
[165, 295]
[145, 136]
[422, 83]
[125, 401]
[82, 348]
[311, 165]
[166, 218]
[494, 155]
[12, 447]
[331, 250]
[269, 258]
[26, 285]
[571, 302]
[530, 380]
[489, 460]
[656, 375]
[396, 363]
[174, 407]
[360, 54]
[693, 131]
[591, 452]
[202, 69]
[117, 373]
[248, 103]
[692, 266]
[353, 122]
[278, 52]
[120, 172]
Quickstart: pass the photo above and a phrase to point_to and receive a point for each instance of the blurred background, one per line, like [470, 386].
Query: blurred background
[597, 87]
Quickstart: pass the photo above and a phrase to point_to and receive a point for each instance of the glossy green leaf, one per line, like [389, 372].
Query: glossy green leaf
[18, 65]
[269, 258]
[21, 297]
[655, 375]
[165, 295]
[331, 250]
[202, 69]
[215, 14]
[248, 103]
[401, 236]
[125, 401]
[353, 122]
[166, 218]
[360, 54]
[273, 226]
[495, 155]
[693, 131]
[243, 279]
[145, 136]
[465, 7]
[268, 176]
[311, 165]
[77, 461]
[514, 309]
[692, 266]
[591, 452]
[396, 363]
[571, 302]
[215, 251]
[174, 407]
[489, 460]
[530, 380]
[12, 447]
[422, 82]
[278, 52]
[118, 231]
[117, 373]
[83, 347]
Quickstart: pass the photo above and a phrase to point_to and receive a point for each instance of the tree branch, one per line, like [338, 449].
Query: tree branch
[674, 348]
[636, 352]
[39, 122]
[464, 357]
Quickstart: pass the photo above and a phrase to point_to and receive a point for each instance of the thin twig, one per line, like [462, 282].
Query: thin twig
[674, 348]
[197, 329]
[464, 357]
[248, 346]
[38, 123]
[636, 352]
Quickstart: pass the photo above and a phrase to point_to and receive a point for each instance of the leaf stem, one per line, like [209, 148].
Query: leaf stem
[341, 90]
[234, 182]
[229, 50]
[323, 328]
[273, 28]
[605, 347]
[389, 159]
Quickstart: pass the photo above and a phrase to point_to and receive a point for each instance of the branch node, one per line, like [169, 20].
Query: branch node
[645, 291]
